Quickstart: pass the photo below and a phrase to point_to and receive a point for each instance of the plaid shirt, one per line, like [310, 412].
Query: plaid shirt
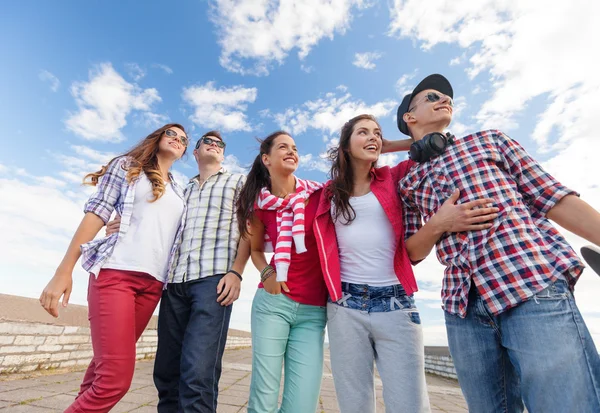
[113, 193]
[211, 235]
[522, 253]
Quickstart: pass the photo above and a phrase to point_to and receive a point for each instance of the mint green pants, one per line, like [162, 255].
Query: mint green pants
[286, 333]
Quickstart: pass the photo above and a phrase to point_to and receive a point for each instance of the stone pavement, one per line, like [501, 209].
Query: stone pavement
[52, 391]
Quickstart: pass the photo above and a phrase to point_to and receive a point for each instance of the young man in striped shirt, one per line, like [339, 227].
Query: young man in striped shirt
[203, 282]
[514, 330]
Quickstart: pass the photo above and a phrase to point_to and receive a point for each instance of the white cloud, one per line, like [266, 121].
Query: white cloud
[329, 113]
[46, 76]
[180, 178]
[307, 69]
[402, 86]
[232, 164]
[389, 159]
[104, 102]
[310, 163]
[222, 108]
[135, 71]
[151, 120]
[92, 154]
[366, 60]
[164, 68]
[82, 161]
[3, 169]
[500, 39]
[455, 61]
[264, 32]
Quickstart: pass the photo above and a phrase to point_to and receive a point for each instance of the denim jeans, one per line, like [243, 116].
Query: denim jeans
[377, 325]
[539, 353]
[192, 330]
[290, 334]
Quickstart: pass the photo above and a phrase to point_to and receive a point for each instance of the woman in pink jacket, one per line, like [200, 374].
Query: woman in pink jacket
[371, 313]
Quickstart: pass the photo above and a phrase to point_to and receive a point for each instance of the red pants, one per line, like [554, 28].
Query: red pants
[120, 304]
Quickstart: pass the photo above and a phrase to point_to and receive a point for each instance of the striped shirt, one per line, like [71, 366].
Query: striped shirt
[210, 237]
[522, 253]
[114, 193]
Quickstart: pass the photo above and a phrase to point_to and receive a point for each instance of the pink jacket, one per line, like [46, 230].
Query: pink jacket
[384, 187]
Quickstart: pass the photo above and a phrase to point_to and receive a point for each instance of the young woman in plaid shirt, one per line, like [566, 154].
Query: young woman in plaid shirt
[127, 269]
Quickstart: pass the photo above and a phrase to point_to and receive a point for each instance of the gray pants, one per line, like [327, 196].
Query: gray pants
[394, 340]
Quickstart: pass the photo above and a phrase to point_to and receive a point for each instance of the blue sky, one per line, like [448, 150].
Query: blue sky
[82, 81]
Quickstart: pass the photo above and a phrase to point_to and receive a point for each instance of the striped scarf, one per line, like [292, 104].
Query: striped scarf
[290, 222]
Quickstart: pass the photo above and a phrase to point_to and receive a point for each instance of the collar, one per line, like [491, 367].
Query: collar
[375, 174]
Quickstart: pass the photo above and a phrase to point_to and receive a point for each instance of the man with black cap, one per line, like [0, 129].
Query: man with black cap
[514, 330]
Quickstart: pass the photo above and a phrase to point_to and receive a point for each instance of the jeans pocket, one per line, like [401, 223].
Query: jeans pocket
[413, 315]
[559, 290]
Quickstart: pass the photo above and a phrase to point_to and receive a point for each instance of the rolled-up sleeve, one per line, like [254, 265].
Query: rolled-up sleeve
[412, 220]
[540, 190]
[108, 190]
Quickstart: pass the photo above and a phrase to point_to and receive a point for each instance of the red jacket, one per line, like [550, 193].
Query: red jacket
[384, 187]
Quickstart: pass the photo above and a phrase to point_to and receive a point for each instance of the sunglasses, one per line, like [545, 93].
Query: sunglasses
[182, 138]
[209, 141]
[433, 97]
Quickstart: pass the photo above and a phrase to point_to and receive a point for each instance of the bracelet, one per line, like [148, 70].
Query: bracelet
[236, 273]
[267, 276]
[266, 273]
[264, 270]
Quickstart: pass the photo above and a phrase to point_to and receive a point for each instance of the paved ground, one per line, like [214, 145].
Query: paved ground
[53, 391]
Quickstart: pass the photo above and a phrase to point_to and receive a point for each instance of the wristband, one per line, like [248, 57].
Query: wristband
[236, 273]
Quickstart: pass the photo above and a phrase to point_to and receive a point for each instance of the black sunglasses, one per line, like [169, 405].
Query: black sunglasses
[433, 97]
[182, 138]
[209, 141]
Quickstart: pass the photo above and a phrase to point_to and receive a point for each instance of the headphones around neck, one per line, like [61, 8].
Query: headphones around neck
[430, 146]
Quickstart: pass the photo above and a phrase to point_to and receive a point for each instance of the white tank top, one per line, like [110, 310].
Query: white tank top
[147, 244]
[367, 245]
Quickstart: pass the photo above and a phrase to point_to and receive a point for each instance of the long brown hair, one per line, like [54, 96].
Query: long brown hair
[257, 178]
[141, 157]
[342, 178]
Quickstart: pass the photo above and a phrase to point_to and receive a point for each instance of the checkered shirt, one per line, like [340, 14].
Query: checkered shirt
[114, 193]
[522, 253]
[211, 235]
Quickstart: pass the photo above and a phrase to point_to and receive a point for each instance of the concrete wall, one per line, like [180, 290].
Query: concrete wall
[27, 347]
[438, 361]
[30, 339]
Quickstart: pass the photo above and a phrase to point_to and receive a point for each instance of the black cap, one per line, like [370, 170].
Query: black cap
[435, 82]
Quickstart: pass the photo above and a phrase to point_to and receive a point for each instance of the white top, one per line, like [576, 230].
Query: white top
[367, 245]
[146, 245]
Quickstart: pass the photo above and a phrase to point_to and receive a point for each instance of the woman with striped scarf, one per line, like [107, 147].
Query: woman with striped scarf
[276, 210]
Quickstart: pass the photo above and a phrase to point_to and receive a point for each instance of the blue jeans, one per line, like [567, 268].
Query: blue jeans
[290, 334]
[192, 330]
[539, 352]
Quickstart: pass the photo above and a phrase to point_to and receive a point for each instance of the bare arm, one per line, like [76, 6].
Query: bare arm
[450, 218]
[257, 253]
[396, 146]
[577, 216]
[62, 281]
[229, 287]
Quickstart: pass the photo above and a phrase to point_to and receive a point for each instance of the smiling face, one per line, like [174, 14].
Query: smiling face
[172, 144]
[209, 152]
[365, 141]
[283, 158]
[427, 114]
